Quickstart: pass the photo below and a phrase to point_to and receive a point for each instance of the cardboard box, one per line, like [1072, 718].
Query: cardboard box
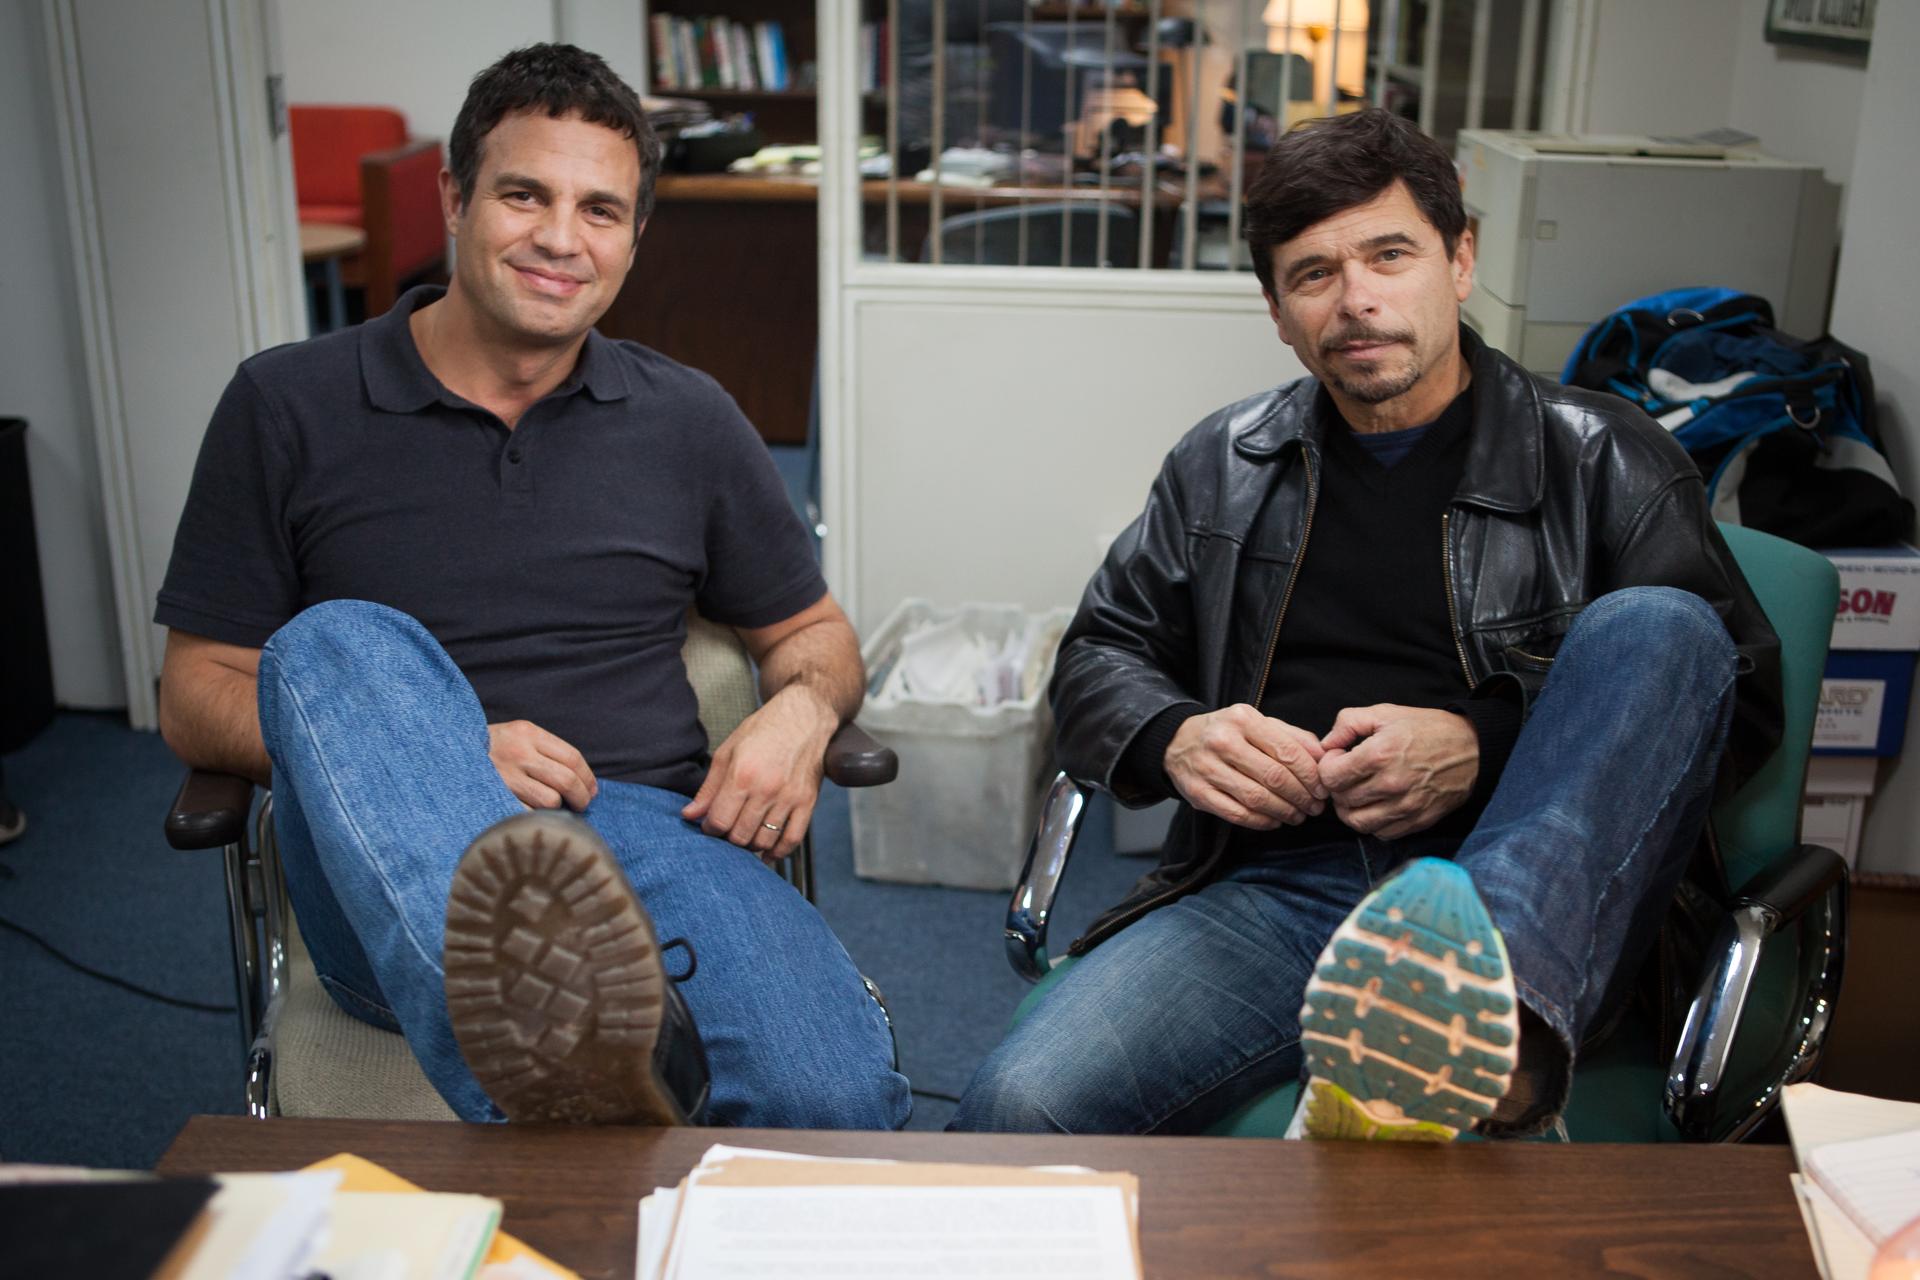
[1879, 598]
[1834, 822]
[1835, 808]
[1863, 703]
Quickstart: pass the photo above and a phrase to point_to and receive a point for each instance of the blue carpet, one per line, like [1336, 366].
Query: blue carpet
[93, 1075]
[90, 1074]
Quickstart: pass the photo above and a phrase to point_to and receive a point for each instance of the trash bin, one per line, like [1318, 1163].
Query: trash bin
[963, 809]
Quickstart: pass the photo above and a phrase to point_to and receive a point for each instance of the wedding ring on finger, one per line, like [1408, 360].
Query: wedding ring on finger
[772, 826]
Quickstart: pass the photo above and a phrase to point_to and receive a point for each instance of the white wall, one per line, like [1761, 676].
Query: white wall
[43, 377]
[1803, 104]
[419, 55]
[185, 260]
[1659, 67]
[1002, 438]
[416, 55]
[1876, 307]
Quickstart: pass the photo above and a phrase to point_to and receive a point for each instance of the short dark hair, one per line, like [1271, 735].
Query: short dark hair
[1321, 167]
[560, 80]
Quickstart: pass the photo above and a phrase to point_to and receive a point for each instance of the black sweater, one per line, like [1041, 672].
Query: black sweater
[1369, 619]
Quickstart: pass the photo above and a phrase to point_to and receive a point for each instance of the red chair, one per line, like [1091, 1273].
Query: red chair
[356, 166]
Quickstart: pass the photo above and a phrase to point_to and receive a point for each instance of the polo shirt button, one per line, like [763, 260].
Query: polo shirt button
[513, 455]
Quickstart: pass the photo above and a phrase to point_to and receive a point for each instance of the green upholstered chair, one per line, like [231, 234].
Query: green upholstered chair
[304, 1056]
[1765, 992]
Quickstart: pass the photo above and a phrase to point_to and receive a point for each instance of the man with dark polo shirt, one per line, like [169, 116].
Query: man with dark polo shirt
[432, 581]
[1443, 661]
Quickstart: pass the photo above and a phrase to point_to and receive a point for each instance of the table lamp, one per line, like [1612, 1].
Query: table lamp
[1289, 21]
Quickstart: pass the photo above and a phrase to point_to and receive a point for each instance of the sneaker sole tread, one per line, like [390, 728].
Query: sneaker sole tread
[1410, 1021]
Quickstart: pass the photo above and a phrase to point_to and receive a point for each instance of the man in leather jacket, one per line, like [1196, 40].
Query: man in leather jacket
[1444, 661]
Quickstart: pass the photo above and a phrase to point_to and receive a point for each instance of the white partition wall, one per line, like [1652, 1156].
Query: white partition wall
[985, 430]
[997, 437]
[179, 197]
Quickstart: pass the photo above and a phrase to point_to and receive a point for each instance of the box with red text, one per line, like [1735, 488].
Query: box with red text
[1879, 598]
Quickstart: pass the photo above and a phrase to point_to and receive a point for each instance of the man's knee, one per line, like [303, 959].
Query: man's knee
[342, 630]
[1008, 1095]
[1664, 619]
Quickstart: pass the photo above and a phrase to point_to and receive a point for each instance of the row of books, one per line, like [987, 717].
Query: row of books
[719, 53]
[873, 56]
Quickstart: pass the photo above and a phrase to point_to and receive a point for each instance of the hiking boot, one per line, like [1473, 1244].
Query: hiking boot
[555, 987]
[1411, 1025]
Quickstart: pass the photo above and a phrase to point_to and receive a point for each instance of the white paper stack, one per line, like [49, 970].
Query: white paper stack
[743, 1212]
[1859, 1178]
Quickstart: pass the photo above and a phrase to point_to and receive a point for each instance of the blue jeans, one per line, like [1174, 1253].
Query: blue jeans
[1193, 1010]
[381, 779]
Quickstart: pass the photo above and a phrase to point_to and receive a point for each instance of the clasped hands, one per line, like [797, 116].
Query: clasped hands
[1388, 770]
[758, 794]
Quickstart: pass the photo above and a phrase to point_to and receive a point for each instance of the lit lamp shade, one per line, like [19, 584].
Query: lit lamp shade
[1321, 16]
[1303, 26]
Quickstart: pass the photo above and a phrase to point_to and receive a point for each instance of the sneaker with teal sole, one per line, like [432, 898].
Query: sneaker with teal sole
[1411, 1026]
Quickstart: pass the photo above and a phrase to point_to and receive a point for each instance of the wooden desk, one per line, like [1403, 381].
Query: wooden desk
[322, 246]
[1208, 1206]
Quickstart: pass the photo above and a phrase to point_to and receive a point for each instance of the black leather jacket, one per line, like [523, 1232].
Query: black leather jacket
[1567, 495]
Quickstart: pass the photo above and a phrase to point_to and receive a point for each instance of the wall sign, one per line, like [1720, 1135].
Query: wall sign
[1844, 26]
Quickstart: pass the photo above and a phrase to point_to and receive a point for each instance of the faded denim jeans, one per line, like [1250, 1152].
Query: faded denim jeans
[1194, 1009]
[381, 779]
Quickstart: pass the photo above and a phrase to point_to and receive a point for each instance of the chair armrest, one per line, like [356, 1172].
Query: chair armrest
[210, 810]
[1053, 841]
[400, 203]
[1806, 886]
[856, 759]
[405, 151]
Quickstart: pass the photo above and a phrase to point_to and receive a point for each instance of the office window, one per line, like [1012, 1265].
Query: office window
[1122, 133]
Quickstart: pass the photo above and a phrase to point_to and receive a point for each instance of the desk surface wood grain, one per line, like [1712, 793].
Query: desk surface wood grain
[1208, 1206]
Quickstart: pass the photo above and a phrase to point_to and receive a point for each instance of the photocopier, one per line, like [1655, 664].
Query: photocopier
[1568, 227]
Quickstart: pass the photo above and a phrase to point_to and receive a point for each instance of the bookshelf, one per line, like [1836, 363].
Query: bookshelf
[755, 323]
[784, 114]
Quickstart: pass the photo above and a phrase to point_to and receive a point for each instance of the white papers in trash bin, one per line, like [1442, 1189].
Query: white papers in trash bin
[947, 661]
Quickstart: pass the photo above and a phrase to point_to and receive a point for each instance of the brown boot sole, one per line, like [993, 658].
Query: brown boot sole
[553, 976]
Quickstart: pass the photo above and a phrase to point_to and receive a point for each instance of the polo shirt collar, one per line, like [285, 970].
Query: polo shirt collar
[398, 380]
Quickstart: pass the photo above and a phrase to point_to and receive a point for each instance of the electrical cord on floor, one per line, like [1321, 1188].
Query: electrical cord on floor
[195, 1005]
[936, 1095]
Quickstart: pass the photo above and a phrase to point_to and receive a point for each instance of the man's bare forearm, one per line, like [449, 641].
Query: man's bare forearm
[822, 657]
[210, 707]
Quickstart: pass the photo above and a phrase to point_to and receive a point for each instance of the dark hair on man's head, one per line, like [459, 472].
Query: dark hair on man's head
[559, 80]
[1322, 167]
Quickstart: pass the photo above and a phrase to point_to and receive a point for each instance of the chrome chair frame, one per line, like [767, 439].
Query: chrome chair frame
[211, 810]
[1806, 885]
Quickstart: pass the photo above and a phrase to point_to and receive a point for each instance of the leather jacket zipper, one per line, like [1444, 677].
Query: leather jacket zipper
[1453, 612]
[1293, 575]
[1273, 643]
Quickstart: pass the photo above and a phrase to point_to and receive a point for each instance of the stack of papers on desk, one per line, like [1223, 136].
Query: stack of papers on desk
[345, 1218]
[1859, 1178]
[743, 1212]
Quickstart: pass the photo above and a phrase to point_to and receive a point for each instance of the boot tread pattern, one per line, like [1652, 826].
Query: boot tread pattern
[553, 977]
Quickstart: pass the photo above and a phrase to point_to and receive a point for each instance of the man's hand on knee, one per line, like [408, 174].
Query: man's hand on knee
[1395, 770]
[1250, 769]
[543, 770]
[765, 778]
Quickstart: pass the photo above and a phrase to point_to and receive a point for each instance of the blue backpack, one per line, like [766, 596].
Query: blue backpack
[1782, 428]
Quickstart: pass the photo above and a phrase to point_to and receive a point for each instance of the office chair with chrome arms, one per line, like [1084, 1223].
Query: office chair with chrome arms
[1762, 995]
[304, 1055]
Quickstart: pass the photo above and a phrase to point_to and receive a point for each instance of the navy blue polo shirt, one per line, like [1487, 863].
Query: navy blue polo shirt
[554, 562]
